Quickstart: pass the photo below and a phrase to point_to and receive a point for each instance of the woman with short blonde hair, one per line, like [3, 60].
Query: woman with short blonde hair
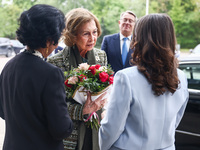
[75, 19]
[80, 36]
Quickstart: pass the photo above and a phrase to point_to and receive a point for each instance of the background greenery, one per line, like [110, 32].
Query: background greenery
[184, 13]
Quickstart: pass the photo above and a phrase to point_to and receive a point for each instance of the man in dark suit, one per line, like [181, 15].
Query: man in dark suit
[117, 46]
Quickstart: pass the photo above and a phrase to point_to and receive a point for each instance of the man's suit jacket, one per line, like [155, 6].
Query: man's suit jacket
[32, 102]
[111, 45]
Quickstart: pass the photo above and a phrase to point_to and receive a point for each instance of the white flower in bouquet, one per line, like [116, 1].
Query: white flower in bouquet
[83, 66]
[73, 80]
[103, 68]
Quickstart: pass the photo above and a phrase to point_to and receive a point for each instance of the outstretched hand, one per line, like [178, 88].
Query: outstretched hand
[93, 106]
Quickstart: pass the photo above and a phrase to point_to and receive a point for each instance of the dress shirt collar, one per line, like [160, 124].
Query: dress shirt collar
[121, 37]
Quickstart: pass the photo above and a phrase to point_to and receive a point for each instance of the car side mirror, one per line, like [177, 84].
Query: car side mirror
[191, 50]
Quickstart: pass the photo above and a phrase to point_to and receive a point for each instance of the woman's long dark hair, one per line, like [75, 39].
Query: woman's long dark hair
[154, 43]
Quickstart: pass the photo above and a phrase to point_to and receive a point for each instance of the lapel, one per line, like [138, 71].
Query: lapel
[127, 63]
[74, 59]
[117, 48]
[91, 57]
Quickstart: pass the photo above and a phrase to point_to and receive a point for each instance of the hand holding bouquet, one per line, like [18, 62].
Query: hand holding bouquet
[96, 79]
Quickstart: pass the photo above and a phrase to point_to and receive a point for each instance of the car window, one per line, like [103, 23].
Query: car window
[16, 43]
[192, 72]
[4, 40]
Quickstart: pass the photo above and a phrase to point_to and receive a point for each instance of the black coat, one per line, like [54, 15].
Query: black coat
[32, 102]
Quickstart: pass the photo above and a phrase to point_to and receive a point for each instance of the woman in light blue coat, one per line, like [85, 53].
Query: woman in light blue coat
[148, 100]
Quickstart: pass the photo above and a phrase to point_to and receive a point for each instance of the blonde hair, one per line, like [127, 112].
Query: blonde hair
[74, 20]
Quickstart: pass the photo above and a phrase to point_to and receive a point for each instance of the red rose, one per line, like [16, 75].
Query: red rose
[97, 66]
[82, 77]
[111, 78]
[92, 69]
[103, 76]
[68, 85]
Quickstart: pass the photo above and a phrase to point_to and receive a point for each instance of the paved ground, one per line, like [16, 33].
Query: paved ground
[2, 132]
[3, 61]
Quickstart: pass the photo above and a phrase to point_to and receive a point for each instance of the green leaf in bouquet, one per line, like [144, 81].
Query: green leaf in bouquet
[91, 125]
[96, 123]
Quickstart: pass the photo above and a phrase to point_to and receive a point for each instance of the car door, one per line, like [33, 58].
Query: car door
[4, 44]
[188, 132]
[1, 47]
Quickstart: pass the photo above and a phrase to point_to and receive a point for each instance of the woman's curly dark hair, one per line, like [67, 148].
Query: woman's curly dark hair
[154, 43]
[39, 24]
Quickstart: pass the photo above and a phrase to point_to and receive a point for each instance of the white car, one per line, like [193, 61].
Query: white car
[6, 47]
[188, 131]
[196, 50]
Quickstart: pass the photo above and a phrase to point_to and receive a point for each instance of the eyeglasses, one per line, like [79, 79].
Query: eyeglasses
[129, 20]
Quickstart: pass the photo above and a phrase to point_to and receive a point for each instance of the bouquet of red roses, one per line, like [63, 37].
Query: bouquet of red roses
[94, 78]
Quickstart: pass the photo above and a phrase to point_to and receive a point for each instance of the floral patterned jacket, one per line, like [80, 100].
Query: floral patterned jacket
[66, 59]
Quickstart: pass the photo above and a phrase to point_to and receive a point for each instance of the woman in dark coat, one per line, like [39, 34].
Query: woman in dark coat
[32, 95]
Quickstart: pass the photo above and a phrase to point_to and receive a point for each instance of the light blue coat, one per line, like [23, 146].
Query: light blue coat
[136, 119]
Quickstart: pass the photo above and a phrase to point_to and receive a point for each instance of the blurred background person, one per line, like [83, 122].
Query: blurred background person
[32, 95]
[148, 100]
[117, 46]
[80, 36]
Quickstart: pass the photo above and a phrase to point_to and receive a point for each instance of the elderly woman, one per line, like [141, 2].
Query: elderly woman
[81, 32]
[32, 94]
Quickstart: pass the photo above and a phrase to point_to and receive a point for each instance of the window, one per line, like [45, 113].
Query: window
[192, 72]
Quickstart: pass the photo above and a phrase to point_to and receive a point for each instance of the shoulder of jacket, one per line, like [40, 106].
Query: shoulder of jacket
[111, 35]
[100, 56]
[61, 59]
[96, 50]
[60, 55]
[99, 52]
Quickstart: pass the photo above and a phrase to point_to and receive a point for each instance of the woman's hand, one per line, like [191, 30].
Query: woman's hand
[93, 106]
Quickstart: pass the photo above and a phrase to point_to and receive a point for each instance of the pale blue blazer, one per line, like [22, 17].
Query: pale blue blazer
[136, 119]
